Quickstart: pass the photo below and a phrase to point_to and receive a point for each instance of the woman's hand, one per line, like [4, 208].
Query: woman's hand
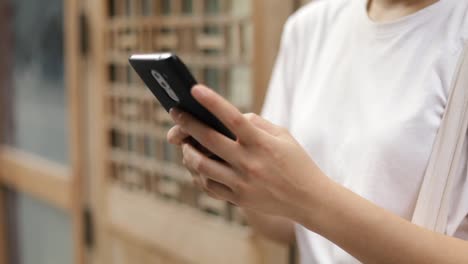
[265, 169]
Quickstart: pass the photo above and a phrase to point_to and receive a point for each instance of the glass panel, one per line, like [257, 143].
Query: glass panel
[241, 7]
[39, 234]
[165, 7]
[38, 94]
[211, 6]
[187, 6]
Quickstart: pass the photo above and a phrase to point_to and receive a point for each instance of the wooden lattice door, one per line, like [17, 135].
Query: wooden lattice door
[149, 211]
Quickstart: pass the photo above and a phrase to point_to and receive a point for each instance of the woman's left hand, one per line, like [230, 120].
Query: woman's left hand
[265, 169]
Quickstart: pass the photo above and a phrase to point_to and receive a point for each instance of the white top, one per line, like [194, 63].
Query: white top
[366, 99]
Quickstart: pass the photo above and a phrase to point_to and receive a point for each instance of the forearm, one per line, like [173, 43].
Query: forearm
[374, 235]
[273, 227]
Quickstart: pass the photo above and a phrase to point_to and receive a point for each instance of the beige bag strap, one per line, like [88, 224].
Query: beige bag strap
[432, 206]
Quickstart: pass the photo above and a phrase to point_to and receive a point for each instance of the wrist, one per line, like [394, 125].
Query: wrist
[313, 202]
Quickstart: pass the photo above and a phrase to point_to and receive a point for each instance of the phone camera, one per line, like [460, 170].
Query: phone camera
[165, 85]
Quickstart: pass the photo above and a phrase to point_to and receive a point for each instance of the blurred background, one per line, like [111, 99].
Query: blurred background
[86, 175]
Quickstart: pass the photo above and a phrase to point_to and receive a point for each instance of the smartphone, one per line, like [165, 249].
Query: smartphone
[170, 81]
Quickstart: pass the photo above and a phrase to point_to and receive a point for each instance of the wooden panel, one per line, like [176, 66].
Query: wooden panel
[269, 19]
[75, 124]
[97, 72]
[180, 231]
[41, 178]
[126, 251]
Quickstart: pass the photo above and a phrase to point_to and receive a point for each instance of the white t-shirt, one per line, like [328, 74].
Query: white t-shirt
[366, 99]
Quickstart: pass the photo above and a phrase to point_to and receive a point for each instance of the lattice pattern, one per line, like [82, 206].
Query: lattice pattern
[214, 38]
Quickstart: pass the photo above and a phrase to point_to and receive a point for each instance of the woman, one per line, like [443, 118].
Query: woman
[361, 87]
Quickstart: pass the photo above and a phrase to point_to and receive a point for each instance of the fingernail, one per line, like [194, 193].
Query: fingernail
[175, 113]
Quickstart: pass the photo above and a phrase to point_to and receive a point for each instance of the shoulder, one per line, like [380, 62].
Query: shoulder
[317, 13]
[313, 20]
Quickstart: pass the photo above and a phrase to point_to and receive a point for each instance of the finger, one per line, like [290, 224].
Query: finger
[211, 169]
[227, 113]
[201, 183]
[190, 140]
[176, 135]
[219, 191]
[209, 138]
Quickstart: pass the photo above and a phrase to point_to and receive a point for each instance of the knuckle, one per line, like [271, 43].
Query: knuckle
[253, 168]
[278, 156]
[250, 116]
[265, 146]
[200, 165]
[237, 121]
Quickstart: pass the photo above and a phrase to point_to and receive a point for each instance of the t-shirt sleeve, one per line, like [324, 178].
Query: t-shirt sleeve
[278, 100]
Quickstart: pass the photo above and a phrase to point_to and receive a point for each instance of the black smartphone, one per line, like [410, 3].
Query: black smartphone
[170, 81]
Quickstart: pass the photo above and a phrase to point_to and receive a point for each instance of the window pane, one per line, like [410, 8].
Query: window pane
[39, 234]
[37, 91]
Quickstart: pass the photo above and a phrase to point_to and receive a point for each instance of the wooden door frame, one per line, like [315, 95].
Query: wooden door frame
[56, 184]
[4, 18]
[269, 17]
[97, 124]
